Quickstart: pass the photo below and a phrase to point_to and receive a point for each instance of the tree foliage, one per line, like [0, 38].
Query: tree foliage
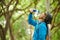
[14, 16]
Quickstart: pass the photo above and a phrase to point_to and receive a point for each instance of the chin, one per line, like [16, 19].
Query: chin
[40, 18]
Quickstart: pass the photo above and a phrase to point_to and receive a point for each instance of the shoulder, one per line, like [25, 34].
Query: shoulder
[43, 25]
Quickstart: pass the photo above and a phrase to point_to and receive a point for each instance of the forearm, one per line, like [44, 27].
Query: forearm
[30, 20]
[47, 38]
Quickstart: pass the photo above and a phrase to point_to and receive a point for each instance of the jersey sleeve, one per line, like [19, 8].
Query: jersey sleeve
[31, 21]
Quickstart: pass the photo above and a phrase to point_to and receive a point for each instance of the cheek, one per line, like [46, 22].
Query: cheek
[42, 17]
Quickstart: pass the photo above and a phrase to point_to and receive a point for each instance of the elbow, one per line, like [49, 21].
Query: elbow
[29, 21]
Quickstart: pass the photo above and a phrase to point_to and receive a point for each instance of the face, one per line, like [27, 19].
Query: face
[42, 16]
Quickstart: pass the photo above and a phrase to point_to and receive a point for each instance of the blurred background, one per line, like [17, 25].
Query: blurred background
[14, 18]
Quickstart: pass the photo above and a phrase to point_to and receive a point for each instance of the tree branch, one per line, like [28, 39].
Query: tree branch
[17, 18]
[57, 29]
[56, 10]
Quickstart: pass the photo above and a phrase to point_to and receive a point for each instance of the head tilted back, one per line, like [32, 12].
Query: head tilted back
[48, 18]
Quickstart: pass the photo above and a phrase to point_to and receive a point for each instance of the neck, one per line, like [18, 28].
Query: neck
[41, 20]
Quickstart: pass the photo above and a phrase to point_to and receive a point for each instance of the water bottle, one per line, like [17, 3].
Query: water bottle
[36, 12]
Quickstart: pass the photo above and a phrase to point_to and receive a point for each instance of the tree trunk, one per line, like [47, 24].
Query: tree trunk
[8, 25]
[2, 35]
[11, 32]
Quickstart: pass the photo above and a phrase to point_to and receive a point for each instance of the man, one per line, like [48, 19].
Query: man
[41, 29]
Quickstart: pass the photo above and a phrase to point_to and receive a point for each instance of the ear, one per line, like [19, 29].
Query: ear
[44, 17]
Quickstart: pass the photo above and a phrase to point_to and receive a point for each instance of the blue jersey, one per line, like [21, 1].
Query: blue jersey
[40, 31]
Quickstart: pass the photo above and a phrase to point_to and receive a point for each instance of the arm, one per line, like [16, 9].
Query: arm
[47, 38]
[31, 21]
